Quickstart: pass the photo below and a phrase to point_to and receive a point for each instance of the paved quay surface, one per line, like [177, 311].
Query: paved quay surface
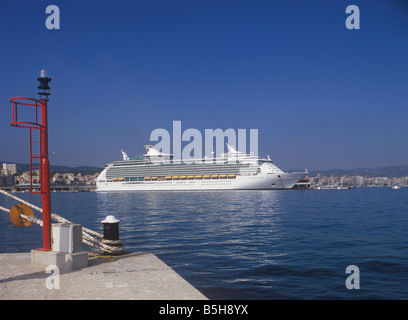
[133, 276]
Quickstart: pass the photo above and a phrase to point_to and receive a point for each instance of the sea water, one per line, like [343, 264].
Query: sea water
[261, 245]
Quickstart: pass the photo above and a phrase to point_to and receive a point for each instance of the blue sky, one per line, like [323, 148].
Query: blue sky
[321, 96]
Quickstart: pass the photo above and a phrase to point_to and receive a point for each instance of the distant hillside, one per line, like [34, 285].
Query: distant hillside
[80, 169]
[391, 171]
[21, 167]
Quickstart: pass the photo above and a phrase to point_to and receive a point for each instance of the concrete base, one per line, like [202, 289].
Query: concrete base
[62, 260]
[66, 237]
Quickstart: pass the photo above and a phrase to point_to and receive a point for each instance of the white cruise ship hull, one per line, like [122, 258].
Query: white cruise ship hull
[256, 182]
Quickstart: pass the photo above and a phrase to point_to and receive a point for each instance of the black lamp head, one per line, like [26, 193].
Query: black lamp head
[44, 87]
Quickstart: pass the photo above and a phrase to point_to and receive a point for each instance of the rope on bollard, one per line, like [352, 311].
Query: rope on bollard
[89, 237]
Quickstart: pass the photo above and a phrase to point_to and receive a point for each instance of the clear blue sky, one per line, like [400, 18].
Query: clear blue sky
[321, 96]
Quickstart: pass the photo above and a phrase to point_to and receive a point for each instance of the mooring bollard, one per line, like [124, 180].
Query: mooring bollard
[111, 228]
[111, 233]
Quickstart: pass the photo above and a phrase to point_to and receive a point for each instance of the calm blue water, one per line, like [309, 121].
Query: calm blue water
[253, 244]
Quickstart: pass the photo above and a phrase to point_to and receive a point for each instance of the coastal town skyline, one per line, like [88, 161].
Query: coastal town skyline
[84, 179]
[320, 95]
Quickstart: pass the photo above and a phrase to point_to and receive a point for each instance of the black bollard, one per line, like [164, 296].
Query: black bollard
[111, 228]
[110, 239]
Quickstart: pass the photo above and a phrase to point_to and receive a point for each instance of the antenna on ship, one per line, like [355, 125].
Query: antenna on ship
[231, 148]
[125, 156]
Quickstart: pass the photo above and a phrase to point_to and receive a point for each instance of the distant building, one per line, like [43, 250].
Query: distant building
[358, 181]
[333, 180]
[380, 181]
[7, 181]
[7, 174]
[306, 183]
[9, 169]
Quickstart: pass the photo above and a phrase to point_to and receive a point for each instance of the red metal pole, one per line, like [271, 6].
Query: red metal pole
[45, 178]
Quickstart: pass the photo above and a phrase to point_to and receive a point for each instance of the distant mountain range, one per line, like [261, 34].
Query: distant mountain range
[21, 167]
[390, 171]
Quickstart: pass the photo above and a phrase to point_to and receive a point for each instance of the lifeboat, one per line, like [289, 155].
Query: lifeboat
[198, 177]
[207, 176]
[223, 176]
[168, 178]
[232, 175]
[154, 178]
[190, 177]
[147, 178]
[176, 177]
[214, 176]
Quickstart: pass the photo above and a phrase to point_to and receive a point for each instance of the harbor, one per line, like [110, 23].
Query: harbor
[84, 264]
[201, 151]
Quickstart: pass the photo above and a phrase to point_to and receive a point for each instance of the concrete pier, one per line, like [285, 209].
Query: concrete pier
[133, 276]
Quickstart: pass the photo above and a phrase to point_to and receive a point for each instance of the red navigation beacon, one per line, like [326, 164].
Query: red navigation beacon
[38, 125]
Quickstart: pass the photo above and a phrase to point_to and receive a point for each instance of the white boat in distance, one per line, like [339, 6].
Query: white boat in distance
[159, 171]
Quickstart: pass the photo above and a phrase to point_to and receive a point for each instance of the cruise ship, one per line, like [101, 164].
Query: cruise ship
[159, 171]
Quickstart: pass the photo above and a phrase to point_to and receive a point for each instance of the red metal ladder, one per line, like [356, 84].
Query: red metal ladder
[35, 165]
